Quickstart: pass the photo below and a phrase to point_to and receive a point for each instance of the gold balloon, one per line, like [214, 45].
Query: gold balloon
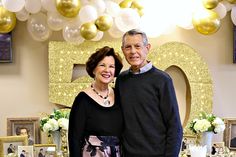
[136, 4]
[206, 22]
[125, 3]
[104, 22]
[88, 30]
[68, 8]
[210, 4]
[232, 1]
[7, 20]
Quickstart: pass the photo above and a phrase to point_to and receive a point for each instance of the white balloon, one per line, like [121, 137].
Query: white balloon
[152, 28]
[49, 5]
[71, 33]
[88, 13]
[227, 5]
[117, 1]
[112, 8]
[115, 32]
[127, 19]
[22, 15]
[221, 10]
[38, 28]
[183, 14]
[13, 5]
[185, 21]
[33, 6]
[233, 15]
[55, 21]
[98, 36]
[99, 5]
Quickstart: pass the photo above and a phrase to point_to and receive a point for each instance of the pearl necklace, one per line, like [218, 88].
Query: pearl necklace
[106, 102]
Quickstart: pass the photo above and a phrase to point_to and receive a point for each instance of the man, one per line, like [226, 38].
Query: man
[10, 149]
[23, 153]
[152, 122]
[184, 144]
[22, 131]
[41, 153]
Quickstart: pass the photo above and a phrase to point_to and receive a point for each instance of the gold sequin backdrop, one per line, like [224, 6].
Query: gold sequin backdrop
[63, 56]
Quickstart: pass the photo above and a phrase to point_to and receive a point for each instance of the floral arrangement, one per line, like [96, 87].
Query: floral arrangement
[207, 122]
[57, 120]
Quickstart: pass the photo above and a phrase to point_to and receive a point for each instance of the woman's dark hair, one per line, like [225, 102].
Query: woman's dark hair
[99, 55]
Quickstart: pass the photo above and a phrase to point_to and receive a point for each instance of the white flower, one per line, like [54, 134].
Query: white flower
[56, 121]
[218, 121]
[207, 122]
[47, 127]
[54, 124]
[63, 123]
[219, 125]
[202, 125]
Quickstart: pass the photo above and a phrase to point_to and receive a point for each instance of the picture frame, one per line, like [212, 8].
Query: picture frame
[45, 150]
[25, 126]
[219, 148]
[188, 140]
[234, 44]
[6, 47]
[9, 144]
[26, 151]
[230, 133]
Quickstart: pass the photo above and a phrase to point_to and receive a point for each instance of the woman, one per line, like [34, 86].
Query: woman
[96, 122]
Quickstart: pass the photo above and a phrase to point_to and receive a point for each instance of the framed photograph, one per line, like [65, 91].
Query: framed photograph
[230, 133]
[188, 140]
[25, 151]
[25, 126]
[5, 48]
[9, 144]
[45, 150]
[218, 148]
[234, 44]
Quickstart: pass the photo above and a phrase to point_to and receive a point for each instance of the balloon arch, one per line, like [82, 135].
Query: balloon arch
[80, 20]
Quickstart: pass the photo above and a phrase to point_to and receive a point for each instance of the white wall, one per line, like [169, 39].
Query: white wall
[24, 83]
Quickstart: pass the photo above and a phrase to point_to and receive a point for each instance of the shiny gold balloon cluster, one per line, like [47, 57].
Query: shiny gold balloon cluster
[103, 23]
[89, 30]
[207, 21]
[132, 4]
[7, 20]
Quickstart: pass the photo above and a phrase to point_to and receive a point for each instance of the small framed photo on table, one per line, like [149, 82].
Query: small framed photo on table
[9, 144]
[25, 126]
[45, 150]
[218, 148]
[25, 151]
[230, 133]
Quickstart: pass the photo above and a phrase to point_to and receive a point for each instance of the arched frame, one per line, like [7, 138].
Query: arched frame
[63, 56]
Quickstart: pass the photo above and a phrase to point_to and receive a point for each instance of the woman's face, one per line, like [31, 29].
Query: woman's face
[105, 70]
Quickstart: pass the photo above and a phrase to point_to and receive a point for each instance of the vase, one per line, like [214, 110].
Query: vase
[56, 137]
[206, 140]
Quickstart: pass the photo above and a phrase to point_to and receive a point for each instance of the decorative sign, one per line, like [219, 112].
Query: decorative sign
[5, 48]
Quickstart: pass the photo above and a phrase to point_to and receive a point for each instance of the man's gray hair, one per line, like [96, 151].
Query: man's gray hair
[135, 32]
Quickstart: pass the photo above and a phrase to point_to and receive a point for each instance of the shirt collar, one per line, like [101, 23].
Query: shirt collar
[144, 69]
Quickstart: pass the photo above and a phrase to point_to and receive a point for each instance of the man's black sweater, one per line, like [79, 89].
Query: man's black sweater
[152, 123]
